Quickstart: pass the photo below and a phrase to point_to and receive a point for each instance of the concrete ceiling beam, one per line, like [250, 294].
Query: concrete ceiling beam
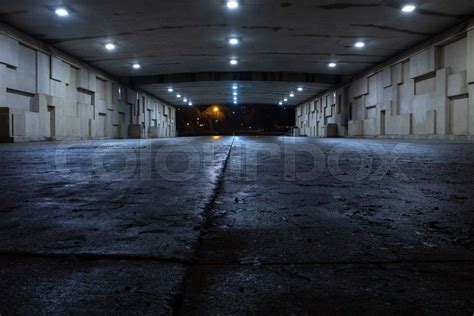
[325, 79]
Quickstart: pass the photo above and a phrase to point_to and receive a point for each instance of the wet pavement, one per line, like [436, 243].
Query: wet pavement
[225, 225]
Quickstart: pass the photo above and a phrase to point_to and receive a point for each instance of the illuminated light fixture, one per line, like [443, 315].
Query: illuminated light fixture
[235, 93]
[280, 103]
[332, 65]
[109, 46]
[300, 89]
[136, 66]
[190, 103]
[233, 61]
[285, 100]
[232, 4]
[408, 8]
[234, 41]
[359, 44]
[235, 99]
[61, 12]
[235, 102]
[292, 95]
[185, 100]
[234, 87]
[178, 96]
[170, 90]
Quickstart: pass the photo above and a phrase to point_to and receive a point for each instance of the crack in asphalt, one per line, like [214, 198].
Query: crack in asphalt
[178, 299]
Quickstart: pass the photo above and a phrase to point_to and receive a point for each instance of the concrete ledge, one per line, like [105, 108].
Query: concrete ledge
[446, 138]
[331, 130]
[153, 132]
[450, 138]
[135, 131]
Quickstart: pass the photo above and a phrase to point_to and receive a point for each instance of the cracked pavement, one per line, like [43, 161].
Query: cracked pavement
[222, 225]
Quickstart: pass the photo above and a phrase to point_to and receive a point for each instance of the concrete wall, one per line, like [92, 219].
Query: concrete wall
[428, 93]
[47, 95]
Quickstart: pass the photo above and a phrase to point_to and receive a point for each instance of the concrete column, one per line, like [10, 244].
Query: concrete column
[470, 55]
[470, 77]
[3, 89]
[442, 102]
[394, 107]
[471, 108]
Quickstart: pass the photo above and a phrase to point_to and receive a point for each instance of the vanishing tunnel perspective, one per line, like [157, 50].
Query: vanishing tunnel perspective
[234, 157]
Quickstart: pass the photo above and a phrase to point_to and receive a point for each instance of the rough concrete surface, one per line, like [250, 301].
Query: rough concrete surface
[237, 225]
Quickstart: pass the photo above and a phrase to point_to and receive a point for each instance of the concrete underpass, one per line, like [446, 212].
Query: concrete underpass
[236, 157]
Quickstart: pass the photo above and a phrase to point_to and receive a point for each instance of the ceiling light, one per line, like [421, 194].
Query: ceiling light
[234, 87]
[235, 93]
[190, 103]
[61, 12]
[235, 98]
[280, 103]
[232, 4]
[109, 46]
[234, 61]
[292, 95]
[359, 44]
[408, 8]
[178, 95]
[300, 89]
[185, 100]
[136, 66]
[332, 65]
[235, 102]
[234, 41]
[285, 100]
[170, 89]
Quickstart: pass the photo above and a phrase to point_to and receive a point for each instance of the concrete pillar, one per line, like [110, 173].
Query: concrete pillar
[395, 106]
[471, 108]
[470, 55]
[442, 102]
[153, 132]
[3, 89]
[470, 77]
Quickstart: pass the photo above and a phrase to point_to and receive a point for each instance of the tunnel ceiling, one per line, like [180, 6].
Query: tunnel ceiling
[184, 36]
[221, 92]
